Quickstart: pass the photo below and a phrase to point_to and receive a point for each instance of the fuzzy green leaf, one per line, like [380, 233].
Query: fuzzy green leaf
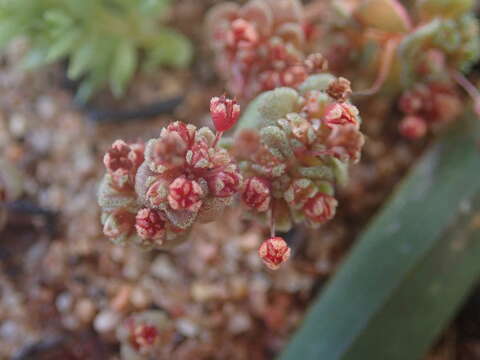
[124, 66]
[410, 270]
[170, 48]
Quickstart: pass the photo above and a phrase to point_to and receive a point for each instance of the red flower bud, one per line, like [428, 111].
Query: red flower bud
[142, 336]
[150, 225]
[413, 127]
[185, 194]
[341, 114]
[198, 156]
[157, 193]
[256, 194]
[224, 183]
[117, 157]
[274, 252]
[225, 112]
[320, 208]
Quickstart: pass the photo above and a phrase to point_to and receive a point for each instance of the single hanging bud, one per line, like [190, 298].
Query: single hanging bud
[274, 252]
[225, 112]
[413, 127]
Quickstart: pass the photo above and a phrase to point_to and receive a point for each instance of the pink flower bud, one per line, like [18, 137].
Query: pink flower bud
[274, 252]
[225, 112]
[320, 208]
[150, 224]
[157, 193]
[341, 114]
[118, 224]
[224, 183]
[413, 127]
[142, 336]
[117, 157]
[198, 156]
[256, 193]
[184, 131]
[185, 194]
[242, 33]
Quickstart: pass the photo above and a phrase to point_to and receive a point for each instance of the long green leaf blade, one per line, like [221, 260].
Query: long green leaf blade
[405, 278]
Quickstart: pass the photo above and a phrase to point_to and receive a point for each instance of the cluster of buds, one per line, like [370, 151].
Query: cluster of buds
[144, 335]
[152, 194]
[261, 45]
[427, 106]
[453, 40]
[296, 154]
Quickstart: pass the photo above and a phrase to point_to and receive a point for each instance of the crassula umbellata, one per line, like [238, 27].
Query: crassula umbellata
[284, 161]
[152, 194]
[397, 50]
[261, 45]
[293, 161]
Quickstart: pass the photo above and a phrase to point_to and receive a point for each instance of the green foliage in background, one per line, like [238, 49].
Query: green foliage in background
[105, 41]
[411, 269]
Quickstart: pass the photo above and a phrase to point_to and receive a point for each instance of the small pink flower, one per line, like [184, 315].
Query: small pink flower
[341, 114]
[119, 223]
[142, 336]
[117, 157]
[320, 208]
[242, 33]
[185, 194]
[184, 131]
[256, 194]
[225, 183]
[225, 112]
[157, 193]
[198, 156]
[274, 252]
[150, 224]
[413, 127]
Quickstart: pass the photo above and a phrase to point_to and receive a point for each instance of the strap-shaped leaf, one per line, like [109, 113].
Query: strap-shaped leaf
[412, 267]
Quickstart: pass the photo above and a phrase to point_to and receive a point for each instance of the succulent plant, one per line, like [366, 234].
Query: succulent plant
[104, 41]
[292, 148]
[152, 194]
[298, 151]
[261, 45]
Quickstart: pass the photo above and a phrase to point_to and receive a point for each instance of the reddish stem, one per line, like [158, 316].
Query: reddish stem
[471, 90]
[385, 66]
[272, 220]
[218, 136]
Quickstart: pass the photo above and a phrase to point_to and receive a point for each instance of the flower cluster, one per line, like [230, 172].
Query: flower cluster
[307, 139]
[427, 106]
[152, 194]
[144, 334]
[261, 45]
[420, 52]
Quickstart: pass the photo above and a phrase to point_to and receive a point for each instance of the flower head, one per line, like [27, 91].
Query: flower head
[151, 196]
[274, 252]
[256, 193]
[185, 194]
[225, 112]
[150, 225]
